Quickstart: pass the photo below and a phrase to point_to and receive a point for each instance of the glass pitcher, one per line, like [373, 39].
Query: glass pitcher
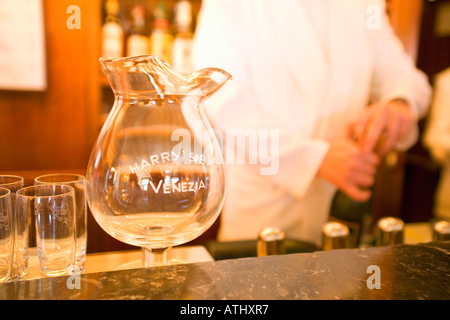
[155, 178]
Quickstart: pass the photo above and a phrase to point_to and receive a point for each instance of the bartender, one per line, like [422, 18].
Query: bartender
[338, 92]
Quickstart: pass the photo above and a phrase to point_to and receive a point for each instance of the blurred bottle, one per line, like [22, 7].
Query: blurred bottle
[270, 242]
[335, 235]
[138, 40]
[389, 231]
[161, 39]
[112, 32]
[441, 231]
[183, 42]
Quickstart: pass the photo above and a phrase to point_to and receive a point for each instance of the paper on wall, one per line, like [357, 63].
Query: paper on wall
[22, 45]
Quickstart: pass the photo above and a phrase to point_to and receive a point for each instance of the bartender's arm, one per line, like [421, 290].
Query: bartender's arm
[351, 163]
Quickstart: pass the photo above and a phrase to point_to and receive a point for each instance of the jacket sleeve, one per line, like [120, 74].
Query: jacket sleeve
[220, 41]
[396, 76]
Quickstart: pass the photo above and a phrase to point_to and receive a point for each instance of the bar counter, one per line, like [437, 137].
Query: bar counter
[403, 272]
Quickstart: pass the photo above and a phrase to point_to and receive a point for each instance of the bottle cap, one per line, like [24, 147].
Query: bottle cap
[441, 231]
[270, 242]
[389, 231]
[335, 235]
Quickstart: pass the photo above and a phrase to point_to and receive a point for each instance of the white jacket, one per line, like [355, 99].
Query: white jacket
[305, 68]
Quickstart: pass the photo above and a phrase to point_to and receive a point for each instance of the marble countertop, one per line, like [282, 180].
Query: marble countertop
[419, 271]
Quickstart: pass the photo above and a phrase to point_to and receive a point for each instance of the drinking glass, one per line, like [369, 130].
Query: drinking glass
[78, 182]
[20, 226]
[6, 235]
[54, 211]
[12, 183]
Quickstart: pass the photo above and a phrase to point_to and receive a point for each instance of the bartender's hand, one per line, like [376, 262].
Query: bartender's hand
[350, 168]
[381, 127]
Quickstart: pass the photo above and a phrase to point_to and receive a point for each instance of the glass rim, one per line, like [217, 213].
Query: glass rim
[19, 179]
[69, 190]
[77, 177]
[4, 192]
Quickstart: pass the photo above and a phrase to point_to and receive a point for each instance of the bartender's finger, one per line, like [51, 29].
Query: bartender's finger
[357, 194]
[405, 127]
[392, 137]
[351, 131]
[358, 128]
[374, 131]
[363, 180]
[371, 158]
[362, 169]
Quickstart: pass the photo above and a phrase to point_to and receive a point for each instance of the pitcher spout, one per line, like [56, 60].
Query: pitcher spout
[153, 76]
[209, 80]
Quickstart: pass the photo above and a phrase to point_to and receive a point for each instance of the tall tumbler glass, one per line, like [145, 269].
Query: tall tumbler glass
[20, 227]
[6, 235]
[54, 211]
[78, 182]
[12, 183]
